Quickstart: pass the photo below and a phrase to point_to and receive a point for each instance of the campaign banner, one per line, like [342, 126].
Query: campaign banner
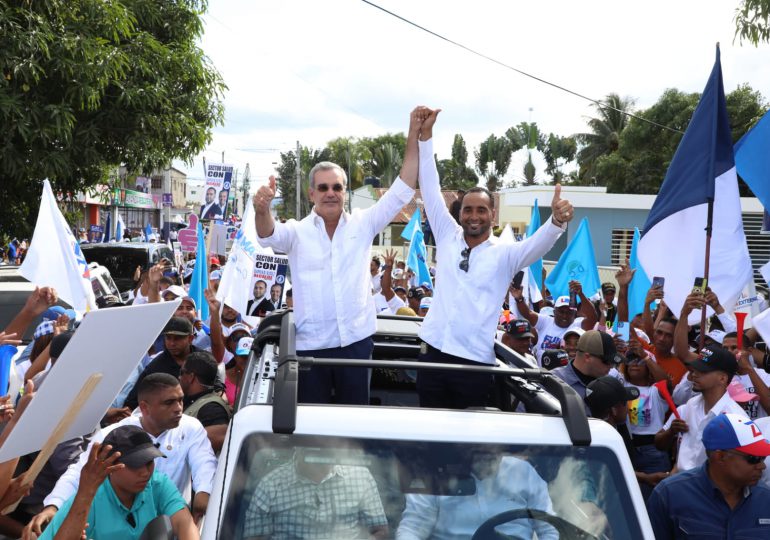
[267, 284]
[216, 192]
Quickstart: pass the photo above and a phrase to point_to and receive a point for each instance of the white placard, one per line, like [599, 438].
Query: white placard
[110, 342]
[218, 234]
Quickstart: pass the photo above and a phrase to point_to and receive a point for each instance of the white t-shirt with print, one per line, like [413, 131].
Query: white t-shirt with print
[753, 408]
[549, 335]
[647, 413]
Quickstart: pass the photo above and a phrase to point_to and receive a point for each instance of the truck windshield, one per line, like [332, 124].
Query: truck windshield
[319, 487]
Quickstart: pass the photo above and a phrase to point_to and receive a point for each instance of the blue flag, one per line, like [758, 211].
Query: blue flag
[752, 159]
[640, 284]
[107, 229]
[576, 263]
[119, 228]
[673, 243]
[200, 277]
[536, 268]
[147, 233]
[418, 253]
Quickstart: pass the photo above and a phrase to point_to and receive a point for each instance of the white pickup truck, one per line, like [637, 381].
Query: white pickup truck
[394, 470]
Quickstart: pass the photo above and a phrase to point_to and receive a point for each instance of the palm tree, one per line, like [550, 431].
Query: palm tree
[386, 163]
[606, 128]
[494, 151]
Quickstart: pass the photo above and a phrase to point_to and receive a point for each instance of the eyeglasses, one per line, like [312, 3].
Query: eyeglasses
[751, 460]
[323, 188]
[465, 263]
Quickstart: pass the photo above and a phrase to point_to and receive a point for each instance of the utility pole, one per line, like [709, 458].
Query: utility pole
[298, 193]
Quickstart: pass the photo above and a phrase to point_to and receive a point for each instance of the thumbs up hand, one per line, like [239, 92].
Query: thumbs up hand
[561, 209]
[263, 197]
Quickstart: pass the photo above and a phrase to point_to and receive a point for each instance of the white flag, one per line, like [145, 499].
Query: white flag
[235, 288]
[54, 258]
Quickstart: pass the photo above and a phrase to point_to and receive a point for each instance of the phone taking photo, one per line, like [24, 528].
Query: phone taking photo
[658, 282]
[624, 331]
[699, 286]
[573, 300]
[517, 279]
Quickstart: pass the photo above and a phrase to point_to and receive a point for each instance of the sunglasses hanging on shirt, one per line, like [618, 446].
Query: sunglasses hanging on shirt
[466, 260]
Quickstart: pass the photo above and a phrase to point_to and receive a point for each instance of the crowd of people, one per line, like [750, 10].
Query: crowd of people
[700, 466]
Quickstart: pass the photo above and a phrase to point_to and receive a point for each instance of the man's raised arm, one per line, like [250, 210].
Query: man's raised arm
[264, 219]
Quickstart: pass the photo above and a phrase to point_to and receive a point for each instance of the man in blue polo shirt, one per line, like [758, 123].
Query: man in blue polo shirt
[719, 499]
[119, 495]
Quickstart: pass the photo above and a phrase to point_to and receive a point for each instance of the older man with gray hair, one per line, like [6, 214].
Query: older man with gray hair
[329, 254]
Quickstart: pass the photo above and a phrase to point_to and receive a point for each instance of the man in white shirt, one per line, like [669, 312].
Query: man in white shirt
[475, 269]
[711, 374]
[182, 439]
[329, 254]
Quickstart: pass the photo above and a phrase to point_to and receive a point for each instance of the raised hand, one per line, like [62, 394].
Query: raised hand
[426, 131]
[99, 465]
[624, 275]
[692, 302]
[61, 325]
[417, 117]
[263, 197]
[41, 299]
[561, 209]
[9, 339]
[390, 258]
[211, 298]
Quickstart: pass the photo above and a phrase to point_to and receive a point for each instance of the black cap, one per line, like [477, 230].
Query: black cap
[599, 344]
[607, 391]
[178, 326]
[553, 358]
[399, 288]
[519, 329]
[58, 343]
[715, 359]
[607, 287]
[416, 292]
[134, 444]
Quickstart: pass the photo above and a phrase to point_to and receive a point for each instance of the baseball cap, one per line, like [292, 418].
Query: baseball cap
[576, 331]
[599, 344]
[134, 444]
[399, 288]
[607, 391]
[546, 311]
[244, 346]
[425, 302]
[406, 312]
[519, 328]
[176, 290]
[607, 287]
[215, 275]
[716, 335]
[730, 431]
[738, 392]
[561, 302]
[214, 261]
[53, 312]
[178, 326]
[239, 327]
[715, 359]
[415, 292]
[553, 358]
[426, 285]
[44, 328]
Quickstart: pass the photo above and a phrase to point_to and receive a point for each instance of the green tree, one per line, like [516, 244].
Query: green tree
[350, 154]
[455, 173]
[558, 151]
[493, 158]
[752, 21]
[88, 85]
[645, 150]
[606, 127]
[286, 182]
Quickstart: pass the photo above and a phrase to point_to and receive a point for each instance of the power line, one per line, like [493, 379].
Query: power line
[507, 66]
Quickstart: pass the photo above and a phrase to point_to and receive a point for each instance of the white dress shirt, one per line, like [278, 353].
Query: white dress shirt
[691, 451]
[333, 304]
[466, 305]
[187, 449]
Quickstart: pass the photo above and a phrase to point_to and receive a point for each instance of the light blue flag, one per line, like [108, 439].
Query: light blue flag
[640, 284]
[119, 228]
[147, 233]
[576, 263]
[200, 277]
[752, 159]
[418, 253]
[536, 268]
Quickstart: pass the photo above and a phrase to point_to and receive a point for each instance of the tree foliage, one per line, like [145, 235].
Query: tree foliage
[455, 173]
[89, 85]
[286, 182]
[604, 137]
[645, 150]
[752, 21]
[493, 158]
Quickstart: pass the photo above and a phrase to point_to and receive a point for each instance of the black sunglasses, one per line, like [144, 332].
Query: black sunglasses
[465, 263]
[323, 188]
[751, 460]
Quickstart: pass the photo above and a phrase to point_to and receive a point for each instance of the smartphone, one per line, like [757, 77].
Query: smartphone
[658, 282]
[623, 330]
[517, 279]
[761, 346]
[699, 286]
[573, 300]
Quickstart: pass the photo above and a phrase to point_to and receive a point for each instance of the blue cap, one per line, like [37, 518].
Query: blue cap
[731, 431]
[53, 312]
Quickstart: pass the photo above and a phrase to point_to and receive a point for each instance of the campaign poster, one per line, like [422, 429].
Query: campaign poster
[216, 192]
[268, 284]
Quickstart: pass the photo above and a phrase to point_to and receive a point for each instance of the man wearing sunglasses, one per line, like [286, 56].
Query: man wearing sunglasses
[329, 253]
[475, 270]
[719, 499]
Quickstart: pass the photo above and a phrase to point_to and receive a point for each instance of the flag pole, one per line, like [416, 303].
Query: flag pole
[709, 223]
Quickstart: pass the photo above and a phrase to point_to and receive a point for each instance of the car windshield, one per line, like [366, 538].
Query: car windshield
[121, 262]
[319, 487]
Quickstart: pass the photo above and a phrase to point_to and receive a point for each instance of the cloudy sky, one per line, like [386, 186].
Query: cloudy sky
[313, 70]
